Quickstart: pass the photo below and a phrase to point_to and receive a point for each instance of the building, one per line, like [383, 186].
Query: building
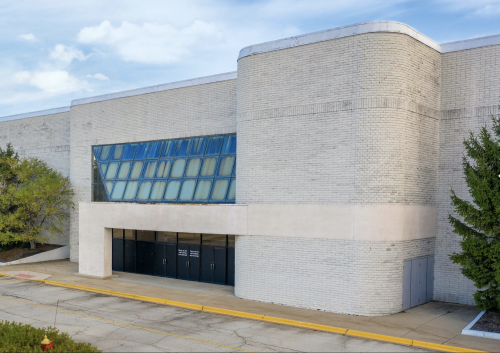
[336, 196]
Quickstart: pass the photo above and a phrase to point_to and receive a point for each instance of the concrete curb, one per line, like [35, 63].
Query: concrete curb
[277, 320]
[469, 332]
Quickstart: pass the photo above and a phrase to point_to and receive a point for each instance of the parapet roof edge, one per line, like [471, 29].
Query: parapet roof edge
[470, 43]
[339, 32]
[163, 87]
[35, 114]
[368, 27]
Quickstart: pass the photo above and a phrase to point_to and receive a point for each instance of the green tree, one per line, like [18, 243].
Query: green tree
[37, 199]
[479, 226]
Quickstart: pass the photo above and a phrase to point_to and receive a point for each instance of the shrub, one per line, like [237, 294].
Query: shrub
[15, 337]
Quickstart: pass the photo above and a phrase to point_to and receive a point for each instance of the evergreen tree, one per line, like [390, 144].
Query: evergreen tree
[480, 224]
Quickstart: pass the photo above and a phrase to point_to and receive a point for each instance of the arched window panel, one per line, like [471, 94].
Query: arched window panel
[186, 170]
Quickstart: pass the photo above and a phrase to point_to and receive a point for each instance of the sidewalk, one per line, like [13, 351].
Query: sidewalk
[435, 322]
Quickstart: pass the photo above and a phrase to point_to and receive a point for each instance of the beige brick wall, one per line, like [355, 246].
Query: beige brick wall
[206, 109]
[45, 137]
[470, 94]
[350, 120]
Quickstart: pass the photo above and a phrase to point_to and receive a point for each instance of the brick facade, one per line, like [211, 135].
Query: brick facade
[45, 137]
[367, 118]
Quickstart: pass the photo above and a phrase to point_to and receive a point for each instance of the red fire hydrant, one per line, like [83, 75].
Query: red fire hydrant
[46, 344]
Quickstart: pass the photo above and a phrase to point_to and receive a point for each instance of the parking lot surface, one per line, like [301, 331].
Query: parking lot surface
[116, 324]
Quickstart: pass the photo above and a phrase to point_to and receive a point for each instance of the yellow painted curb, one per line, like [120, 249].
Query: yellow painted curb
[233, 313]
[442, 347]
[333, 329]
[375, 336]
[184, 305]
[338, 330]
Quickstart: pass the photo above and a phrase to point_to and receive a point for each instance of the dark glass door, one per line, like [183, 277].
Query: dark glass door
[117, 259]
[207, 263]
[194, 263]
[219, 266]
[230, 266]
[145, 261]
[170, 260]
[182, 261]
[160, 259]
[129, 256]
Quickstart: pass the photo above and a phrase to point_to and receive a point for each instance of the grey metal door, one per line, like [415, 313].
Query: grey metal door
[430, 278]
[418, 281]
[407, 284]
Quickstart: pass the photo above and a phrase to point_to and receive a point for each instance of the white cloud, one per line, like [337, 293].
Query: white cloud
[99, 76]
[29, 37]
[50, 82]
[66, 54]
[152, 43]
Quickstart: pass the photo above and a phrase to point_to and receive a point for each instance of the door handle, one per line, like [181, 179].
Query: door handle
[187, 263]
[164, 261]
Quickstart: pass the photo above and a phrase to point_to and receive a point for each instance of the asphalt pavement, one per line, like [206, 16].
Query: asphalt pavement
[116, 324]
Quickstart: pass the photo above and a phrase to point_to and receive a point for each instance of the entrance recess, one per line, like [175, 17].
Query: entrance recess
[194, 257]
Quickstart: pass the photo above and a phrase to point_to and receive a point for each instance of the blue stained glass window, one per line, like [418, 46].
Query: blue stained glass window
[182, 148]
[197, 170]
[158, 190]
[117, 153]
[109, 187]
[142, 151]
[96, 150]
[155, 149]
[163, 169]
[215, 145]
[172, 190]
[229, 144]
[118, 190]
[193, 167]
[187, 190]
[149, 170]
[202, 190]
[131, 190]
[112, 169]
[219, 190]
[129, 153]
[225, 166]
[198, 146]
[124, 168]
[208, 168]
[178, 168]
[144, 190]
[169, 150]
[104, 167]
[136, 170]
[105, 153]
[231, 195]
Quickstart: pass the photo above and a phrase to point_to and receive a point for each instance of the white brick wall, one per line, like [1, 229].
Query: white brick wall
[470, 94]
[45, 137]
[350, 120]
[206, 109]
[345, 276]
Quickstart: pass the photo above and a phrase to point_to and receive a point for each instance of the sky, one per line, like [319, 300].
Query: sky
[54, 51]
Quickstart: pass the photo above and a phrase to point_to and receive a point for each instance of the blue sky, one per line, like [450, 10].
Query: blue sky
[54, 51]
